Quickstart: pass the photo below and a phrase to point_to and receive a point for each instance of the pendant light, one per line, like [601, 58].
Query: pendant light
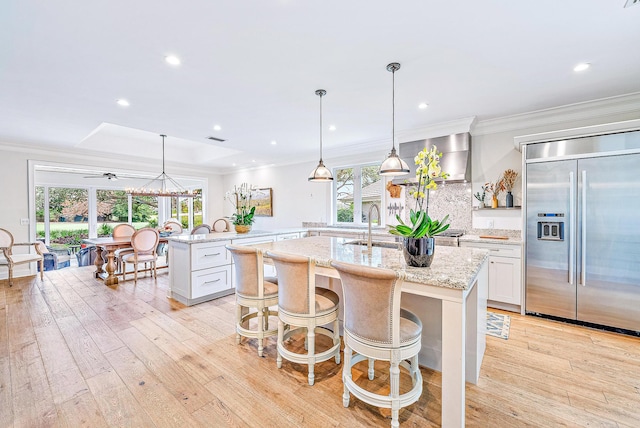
[162, 185]
[321, 172]
[393, 165]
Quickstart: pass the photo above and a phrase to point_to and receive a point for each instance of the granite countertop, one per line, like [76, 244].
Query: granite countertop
[514, 236]
[452, 267]
[225, 236]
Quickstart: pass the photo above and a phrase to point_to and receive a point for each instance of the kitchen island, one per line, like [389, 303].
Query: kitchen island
[449, 297]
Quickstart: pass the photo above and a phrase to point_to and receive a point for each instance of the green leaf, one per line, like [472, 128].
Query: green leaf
[418, 223]
[399, 219]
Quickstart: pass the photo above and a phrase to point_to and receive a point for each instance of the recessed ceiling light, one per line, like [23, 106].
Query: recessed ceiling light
[173, 60]
[233, 164]
[253, 160]
[582, 66]
[423, 105]
[332, 128]
[122, 102]
[217, 127]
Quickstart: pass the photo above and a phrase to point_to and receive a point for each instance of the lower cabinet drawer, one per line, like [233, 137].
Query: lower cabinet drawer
[208, 255]
[210, 281]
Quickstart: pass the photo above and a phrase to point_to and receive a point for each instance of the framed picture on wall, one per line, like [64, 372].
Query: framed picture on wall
[262, 199]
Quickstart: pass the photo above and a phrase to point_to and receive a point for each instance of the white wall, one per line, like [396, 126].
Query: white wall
[295, 199]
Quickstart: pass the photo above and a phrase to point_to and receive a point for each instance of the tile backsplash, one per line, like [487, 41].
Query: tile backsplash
[453, 199]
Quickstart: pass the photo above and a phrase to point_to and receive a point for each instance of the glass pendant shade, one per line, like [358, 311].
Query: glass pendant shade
[393, 165]
[321, 172]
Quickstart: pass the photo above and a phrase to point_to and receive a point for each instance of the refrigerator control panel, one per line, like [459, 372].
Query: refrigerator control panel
[551, 230]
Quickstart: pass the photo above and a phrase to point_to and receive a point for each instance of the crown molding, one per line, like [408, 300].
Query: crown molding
[600, 108]
[93, 158]
[585, 131]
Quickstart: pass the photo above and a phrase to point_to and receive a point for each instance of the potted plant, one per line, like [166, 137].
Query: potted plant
[419, 244]
[240, 198]
[509, 178]
[481, 196]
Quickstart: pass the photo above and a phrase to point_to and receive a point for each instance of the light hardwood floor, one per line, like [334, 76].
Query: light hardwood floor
[76, 353]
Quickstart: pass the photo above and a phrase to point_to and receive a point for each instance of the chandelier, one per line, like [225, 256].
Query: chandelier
[162, 185]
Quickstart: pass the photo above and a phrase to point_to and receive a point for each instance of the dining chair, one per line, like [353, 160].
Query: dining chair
[202, 229]
[253, 291]
[303, 307]
[173, 225]
[122, 231]
[377, 328]
[144, 243]
[10, 260]
[221, 225]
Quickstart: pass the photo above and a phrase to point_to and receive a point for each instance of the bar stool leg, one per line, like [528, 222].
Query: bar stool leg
[372, 370]
[311, 335]
[280, 340]
[336, 338]
[346, 374]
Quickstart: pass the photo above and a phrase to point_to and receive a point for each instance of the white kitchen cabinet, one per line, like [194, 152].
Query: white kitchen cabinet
[199, 271]
[201, 268]
[505, 274]
[504, 279]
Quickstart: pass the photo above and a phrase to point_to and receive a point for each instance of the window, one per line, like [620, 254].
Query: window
[62, 215]
[144, 211]
[112, 208]
[356, 189]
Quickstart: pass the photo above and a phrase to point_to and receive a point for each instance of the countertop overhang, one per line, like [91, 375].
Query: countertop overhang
[452, 267]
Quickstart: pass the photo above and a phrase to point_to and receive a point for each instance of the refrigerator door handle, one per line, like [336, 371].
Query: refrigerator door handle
[583, 232]
[572, 231]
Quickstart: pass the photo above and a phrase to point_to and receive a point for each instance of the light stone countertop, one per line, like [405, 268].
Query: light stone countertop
[452, 267]
[225, 236]
[515, 236]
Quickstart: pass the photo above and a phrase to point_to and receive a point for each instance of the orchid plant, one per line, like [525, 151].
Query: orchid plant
[427, 171]
[240, 198]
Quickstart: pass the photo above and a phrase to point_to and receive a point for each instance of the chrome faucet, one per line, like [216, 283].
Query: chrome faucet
[371, 211]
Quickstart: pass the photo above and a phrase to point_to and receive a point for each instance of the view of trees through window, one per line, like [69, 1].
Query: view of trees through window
[68, 215]
[356, 188]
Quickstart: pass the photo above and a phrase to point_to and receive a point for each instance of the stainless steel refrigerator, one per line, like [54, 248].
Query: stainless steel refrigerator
[582, 259]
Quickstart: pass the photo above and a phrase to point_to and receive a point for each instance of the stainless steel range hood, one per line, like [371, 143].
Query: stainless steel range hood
[456, 157]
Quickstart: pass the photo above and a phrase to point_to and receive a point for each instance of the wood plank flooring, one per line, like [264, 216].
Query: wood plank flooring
[76, 353]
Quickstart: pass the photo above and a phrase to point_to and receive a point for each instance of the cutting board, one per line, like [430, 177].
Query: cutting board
[494, 237]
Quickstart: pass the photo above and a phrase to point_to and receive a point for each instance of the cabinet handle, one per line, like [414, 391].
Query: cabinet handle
[211, 282]
[211, 255]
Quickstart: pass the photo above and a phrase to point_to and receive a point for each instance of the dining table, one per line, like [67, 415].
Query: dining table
[109, 245]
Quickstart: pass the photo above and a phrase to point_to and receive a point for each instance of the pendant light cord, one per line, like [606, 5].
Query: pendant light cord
[393, 110]
[163, 152]
[320, 127]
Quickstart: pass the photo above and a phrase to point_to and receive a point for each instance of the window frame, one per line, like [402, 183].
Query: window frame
[357, 196]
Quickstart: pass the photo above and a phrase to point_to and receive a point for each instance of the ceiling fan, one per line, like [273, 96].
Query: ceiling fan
[107, 175]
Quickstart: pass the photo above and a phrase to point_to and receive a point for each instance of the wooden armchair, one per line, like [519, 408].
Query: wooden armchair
[10, 260]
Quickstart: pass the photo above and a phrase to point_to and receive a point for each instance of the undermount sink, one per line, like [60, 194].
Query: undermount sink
[384, 244]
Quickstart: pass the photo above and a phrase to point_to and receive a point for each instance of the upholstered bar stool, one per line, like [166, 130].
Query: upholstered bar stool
[253, 291]
[303, 307]
[376, 328]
